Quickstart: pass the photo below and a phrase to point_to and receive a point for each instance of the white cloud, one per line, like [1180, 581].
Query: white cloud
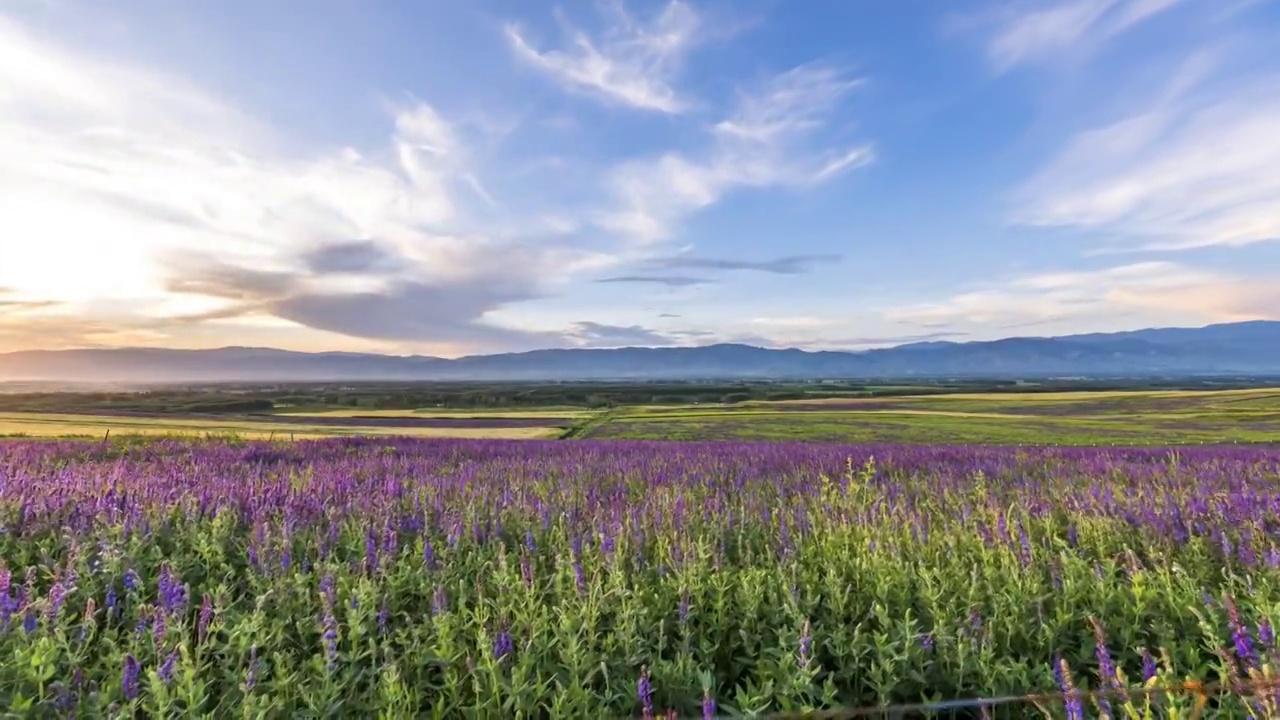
[1196, 169]
[123, 188]
[1155, 292]
[799, 322]
[1056, 26]
[136, 207]
[633, 63]
[765, 142]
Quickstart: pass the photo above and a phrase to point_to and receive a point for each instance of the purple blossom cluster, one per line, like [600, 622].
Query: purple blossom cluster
[440, 533]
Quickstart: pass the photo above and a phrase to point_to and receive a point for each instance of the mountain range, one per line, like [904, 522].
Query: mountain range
[1247, 348]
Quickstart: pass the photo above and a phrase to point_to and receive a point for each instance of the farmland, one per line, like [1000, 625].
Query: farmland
[297, 427]
[1075, 418]
[599, 579]
[1165, 417]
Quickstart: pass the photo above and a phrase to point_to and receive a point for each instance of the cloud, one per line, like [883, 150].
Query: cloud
[633, 63]
[1162, 292]
[668, 315]
[799, 322]
[668, 280]
[1049, 28]
[152, 211]
[1195, 170]
[767, 141]
[114, 175]
[597, 335]
[354, 256]
[788, 265]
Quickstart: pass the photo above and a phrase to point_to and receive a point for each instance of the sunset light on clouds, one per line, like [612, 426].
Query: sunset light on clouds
[463, 178]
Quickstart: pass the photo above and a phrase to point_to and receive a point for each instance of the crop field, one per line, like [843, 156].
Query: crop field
[367, 577]
[18, 424]
[1112, 418]
[549, 413]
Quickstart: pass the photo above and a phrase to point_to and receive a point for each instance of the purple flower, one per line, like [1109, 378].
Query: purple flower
[1106, 666]
[57, 594]
[804, 653]
[29, 622]
[328, 590]
[644, 692]
[927, 642]
[371, 551]
[330, 626]
[1240, 637]
[131, 580]
[384, 613]
[503, 646]
[683, 610]
[708, 705]
[206, 616]
[1073, 703]
[428, 555]
[129, 677]
[160, 627]
[166, 668]
[1266, 635]
[1149, 669]
[579, 576]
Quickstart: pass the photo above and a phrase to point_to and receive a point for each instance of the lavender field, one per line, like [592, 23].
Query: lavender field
[348, 578]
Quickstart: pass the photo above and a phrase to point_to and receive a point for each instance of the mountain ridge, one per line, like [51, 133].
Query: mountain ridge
[1243, 348]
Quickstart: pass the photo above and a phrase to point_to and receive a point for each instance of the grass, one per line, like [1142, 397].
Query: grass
[1083, 418]
[69, 425]
[1074, 418]
[441, 413]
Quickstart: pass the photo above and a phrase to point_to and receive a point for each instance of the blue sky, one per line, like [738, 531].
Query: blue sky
[453, 178]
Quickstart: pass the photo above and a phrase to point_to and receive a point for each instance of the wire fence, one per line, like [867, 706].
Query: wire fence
[1191, 700]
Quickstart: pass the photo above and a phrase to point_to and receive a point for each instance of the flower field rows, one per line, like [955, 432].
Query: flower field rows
[597, 579]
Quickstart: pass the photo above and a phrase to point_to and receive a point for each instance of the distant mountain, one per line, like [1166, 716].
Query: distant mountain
[1249, 348]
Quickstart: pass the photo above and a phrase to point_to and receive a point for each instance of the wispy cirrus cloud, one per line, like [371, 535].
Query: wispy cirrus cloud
[115, 175]
[600, 335]
[1160, 292]
[1195, 168]
[632, 63]
[770, 139]
[1025, 32]
[668, 280]
[190, 220]
[787, 265]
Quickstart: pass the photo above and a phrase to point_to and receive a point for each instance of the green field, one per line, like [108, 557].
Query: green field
[442, 413]
[1069, 418]
[1102, 418]
[74, 425]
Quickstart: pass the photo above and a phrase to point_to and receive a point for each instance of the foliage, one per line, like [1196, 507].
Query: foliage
[592, 579]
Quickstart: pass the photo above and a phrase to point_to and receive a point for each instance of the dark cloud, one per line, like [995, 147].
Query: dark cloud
[599, 335]
[403, 310]
[668, 280]
[355, 256]
[198, 275]
[789, 265]
[668, 315]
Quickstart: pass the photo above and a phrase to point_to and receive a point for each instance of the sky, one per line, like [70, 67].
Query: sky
[447, 178]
